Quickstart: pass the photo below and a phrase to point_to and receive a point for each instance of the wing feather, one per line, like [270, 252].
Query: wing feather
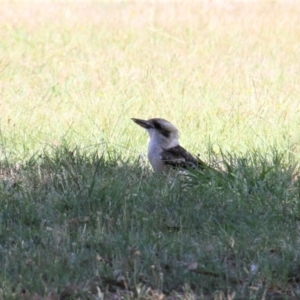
[178, 157]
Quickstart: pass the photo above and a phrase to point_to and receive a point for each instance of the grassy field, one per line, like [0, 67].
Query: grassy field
[82, 215]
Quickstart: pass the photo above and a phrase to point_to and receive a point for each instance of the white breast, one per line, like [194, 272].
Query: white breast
[154, 157]
[156, 145]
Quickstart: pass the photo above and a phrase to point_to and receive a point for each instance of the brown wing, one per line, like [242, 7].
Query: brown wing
[179, 157]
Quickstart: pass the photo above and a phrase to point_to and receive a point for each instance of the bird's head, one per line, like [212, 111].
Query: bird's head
[160, 130]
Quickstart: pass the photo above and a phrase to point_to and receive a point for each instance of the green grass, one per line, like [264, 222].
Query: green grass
[83, 216]
[72, 218]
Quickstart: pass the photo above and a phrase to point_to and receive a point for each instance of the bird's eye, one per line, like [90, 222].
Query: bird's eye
[157, 125]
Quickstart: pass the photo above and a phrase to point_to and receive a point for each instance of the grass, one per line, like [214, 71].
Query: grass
[72, 220]
[82, 216]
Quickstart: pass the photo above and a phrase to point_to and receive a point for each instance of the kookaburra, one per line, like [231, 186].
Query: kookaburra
[164, 151]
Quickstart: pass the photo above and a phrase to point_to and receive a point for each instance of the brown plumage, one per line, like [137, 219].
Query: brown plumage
[178, 157]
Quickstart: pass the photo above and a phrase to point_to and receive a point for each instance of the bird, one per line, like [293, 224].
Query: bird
[164, 150]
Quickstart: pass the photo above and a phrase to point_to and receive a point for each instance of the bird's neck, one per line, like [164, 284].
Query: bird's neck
[155, 148]
[159, 142]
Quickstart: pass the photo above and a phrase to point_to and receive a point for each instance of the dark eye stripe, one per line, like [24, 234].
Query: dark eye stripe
[157, 125]
[164, 132]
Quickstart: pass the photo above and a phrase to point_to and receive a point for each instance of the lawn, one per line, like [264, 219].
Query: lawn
[82, 214]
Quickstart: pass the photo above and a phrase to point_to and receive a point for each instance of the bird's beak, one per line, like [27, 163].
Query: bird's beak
[143, 123]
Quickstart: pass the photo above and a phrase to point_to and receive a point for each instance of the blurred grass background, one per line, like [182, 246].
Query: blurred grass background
[227, 74]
